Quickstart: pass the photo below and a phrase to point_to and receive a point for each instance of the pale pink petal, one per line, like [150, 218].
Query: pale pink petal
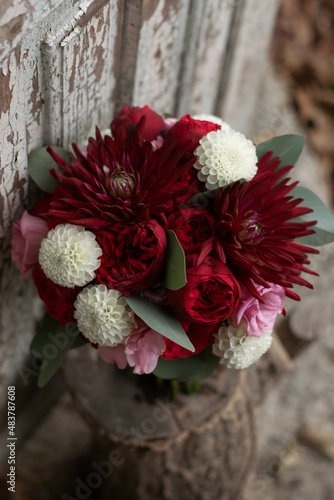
[143, 350]
[27, 236]
[169, 122]
[158, 142]
[259, 316]
[114, 354]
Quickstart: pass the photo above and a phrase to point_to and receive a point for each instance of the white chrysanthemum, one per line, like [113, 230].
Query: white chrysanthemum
[69, 255]
[213, 119]
[103, 315]
[236, 350]
[225, 157]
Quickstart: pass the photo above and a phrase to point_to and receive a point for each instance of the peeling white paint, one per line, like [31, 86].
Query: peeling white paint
[159, 56]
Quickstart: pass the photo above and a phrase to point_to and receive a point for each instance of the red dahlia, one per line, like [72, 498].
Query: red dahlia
[255, 231]
[120, 179]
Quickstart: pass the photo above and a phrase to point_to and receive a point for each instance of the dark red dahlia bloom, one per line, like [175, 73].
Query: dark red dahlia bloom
[256, 230]
[121, 179]
[193, 227]
[128, 117]
[201, 336]
[41, 206]
[210, 295]
[133, 256]
[189, 131]
[59, 300]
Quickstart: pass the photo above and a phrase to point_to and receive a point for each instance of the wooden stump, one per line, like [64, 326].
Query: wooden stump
[200, 446]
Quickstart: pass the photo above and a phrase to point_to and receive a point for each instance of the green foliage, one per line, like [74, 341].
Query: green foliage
[40, 162]
[51, 343]
[161, 319]
[189, 369]
[325, 224]
[175, 271]
[287, 147]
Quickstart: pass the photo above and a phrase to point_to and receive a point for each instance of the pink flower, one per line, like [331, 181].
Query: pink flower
[114, 355]
[157, 143]
[259, 316]
[169, 122]
[141, 350]
[27, 235]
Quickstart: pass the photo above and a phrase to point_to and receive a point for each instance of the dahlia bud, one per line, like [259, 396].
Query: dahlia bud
[252, 231]
[121, 184]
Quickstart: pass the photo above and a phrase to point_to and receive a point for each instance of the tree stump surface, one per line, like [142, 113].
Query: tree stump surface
[199, 446]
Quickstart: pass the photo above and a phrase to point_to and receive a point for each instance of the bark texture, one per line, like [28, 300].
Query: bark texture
[200, 446]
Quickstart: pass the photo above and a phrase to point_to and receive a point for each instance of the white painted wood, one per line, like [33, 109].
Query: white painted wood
[204, 54]
[19, 84]
[18, 18]
[80, 78]
[86, 41]
[246, 60]
[159, 54]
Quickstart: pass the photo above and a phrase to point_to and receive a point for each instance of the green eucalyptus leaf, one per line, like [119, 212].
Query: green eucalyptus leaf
[48, 325]
[287, 147]
[325, 223]
[51, 343]
[175, 271]
[188, 369]
[161, 319]
[204, 198]
[40, 162]
[78, 342]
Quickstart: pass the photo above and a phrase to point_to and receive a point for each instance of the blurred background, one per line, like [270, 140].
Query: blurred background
[296, 421]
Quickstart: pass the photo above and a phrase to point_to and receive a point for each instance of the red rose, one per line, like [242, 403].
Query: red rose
[201, 336]
[133, 256]
[194, 186]
[127, 117]
[188, 129]
[211, 294]
[193, 228]
[59, 300]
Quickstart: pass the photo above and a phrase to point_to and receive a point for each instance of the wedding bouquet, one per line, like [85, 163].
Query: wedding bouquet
[169, 245]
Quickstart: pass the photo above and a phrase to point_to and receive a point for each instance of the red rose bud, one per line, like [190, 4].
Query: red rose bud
[127, 117]
[188, 129]
[59, 300]
[211, 294]
[193, 228]
[201, 336]
[133, 256]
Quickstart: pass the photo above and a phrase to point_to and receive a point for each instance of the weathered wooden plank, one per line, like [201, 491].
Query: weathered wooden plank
[80, 70]
[245, 61]
[130, 39]
[159, 53]
[16, 106]
[22, 128]
[18, 18]
[204, 54]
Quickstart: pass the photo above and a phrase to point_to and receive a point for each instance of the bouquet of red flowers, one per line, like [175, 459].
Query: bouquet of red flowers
[169, 245]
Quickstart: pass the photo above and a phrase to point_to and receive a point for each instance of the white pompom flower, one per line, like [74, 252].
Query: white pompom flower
[225, 157]
[103, 315]
[69, 255]
[213, 119]
[236, 350]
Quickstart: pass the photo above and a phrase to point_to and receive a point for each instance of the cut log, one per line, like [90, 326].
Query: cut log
[200, 446]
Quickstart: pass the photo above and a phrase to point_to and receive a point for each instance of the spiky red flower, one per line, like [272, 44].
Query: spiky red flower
[120, 179]
[256, 231]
